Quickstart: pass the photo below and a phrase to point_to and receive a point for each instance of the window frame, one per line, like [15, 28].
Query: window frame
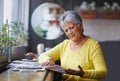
[22, 14]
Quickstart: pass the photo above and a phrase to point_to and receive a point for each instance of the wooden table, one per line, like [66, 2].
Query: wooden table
[11, 75]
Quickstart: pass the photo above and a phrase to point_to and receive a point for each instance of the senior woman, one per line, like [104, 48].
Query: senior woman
[80, 55]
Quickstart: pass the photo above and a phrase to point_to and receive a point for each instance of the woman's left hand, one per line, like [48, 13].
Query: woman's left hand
[75, 72]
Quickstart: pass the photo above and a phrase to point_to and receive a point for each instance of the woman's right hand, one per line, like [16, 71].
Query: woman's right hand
[49, 62]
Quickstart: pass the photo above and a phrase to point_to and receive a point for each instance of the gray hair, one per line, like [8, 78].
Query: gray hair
[71, 16]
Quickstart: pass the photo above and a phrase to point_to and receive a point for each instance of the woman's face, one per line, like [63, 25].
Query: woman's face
[73, 31]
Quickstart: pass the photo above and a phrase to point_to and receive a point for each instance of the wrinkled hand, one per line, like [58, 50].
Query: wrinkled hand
[49, 62]
[75, 72]
[31, 55]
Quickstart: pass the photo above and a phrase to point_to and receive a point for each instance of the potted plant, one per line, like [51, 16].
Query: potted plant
[12, 35]
[5, 39]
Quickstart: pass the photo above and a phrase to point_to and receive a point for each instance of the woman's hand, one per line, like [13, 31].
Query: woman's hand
[49, 62]
[30, 55]
[75, 72]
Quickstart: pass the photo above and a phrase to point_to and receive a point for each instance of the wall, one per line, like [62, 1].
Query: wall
[111, 50]
[102, 29]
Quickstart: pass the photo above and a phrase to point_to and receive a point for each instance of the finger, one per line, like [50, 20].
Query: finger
[81, 73]
[47, 63]
[80, 68]
[29, 54]
[44, 64]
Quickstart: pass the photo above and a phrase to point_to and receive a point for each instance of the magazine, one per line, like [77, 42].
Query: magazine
[26, 66]
[55, 68]
[33, 66]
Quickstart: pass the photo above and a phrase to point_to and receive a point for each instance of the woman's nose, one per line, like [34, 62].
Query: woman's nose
[70, 31]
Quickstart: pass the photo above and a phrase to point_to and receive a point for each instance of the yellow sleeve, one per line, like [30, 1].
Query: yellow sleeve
[53, 54]
[100, 69]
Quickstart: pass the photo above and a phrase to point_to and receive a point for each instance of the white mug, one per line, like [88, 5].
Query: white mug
[40, 48]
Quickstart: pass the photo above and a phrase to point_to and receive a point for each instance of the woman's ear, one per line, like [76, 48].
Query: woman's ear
[80, 25]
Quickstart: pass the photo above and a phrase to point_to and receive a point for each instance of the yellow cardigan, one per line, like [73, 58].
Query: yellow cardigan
[89, 57]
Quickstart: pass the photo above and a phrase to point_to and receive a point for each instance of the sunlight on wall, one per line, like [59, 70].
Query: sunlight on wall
[103, 29]
[10, 10]
[7, 10]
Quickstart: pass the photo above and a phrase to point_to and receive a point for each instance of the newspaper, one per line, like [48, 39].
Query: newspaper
[29, 66]
[33, 66]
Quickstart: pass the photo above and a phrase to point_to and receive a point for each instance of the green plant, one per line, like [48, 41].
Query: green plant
[19, 33]
[12, 34]
[6, 40]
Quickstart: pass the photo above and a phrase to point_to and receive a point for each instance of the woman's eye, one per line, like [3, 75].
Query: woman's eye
[71, 27]
[66, 30]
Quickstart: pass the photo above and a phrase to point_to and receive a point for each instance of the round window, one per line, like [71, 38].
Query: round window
[45, 20]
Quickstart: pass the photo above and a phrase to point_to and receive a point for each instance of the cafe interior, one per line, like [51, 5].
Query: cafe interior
[33, 26]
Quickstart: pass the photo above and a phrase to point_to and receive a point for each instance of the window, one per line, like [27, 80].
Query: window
[1, 12]
[14, 10]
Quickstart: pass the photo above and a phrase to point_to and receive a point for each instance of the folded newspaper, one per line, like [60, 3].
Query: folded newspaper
[19, 65]
[33, 66]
